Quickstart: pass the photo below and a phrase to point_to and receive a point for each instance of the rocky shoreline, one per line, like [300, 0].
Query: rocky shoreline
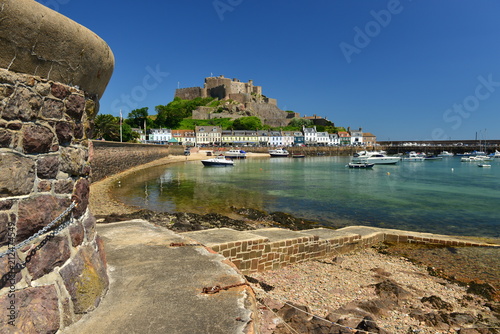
[395, 290]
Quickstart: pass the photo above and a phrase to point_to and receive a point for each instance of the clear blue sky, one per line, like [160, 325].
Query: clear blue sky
[403, 70]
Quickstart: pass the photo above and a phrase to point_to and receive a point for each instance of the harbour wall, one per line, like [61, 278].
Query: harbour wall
[112, 157]
[274, 248]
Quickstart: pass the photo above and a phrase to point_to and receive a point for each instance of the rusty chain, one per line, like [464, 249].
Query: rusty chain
[15, 269]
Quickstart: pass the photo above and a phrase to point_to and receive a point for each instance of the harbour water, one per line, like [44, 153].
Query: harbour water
[444, 196]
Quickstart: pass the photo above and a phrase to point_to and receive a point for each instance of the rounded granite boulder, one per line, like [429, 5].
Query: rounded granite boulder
[39, 41]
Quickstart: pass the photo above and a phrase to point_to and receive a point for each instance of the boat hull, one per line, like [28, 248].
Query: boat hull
[360, 165]
[217, 162]
[378, 160]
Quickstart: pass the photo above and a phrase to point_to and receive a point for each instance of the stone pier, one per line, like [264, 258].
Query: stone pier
[52, 74]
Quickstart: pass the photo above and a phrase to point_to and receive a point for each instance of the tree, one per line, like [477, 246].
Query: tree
[247, 123]
[137, 117]
[107, 127]
[169, 117]
[300, 122]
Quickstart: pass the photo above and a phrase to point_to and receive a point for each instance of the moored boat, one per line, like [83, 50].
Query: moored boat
[360, 165]
[375, 157]
[280, 152]
[433, 157]
[235, 154]
[218, 161]
[483, 165]
[296, 155]
[445, 154]
[471, 159]
[495, 155]
[413, 156]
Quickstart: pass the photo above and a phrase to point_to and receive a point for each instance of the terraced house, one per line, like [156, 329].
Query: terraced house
[208, 135]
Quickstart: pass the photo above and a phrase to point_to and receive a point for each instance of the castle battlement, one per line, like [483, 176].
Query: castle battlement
[221, 88]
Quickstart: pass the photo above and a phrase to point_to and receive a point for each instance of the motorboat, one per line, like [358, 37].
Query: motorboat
[483, 165]
[375, 157]
[433, 157]
[495, 155]
[445, 154]
[471, 159]
[235, 154]
[218, 161]
[280, 152]
[478, 153]
[360, 165]
[414, 156]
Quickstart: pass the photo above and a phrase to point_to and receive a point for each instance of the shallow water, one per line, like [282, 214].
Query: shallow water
[445, 196]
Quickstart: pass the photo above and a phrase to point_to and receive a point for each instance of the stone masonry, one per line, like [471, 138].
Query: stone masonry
[44, 166]
[274, 248]
[52, 72]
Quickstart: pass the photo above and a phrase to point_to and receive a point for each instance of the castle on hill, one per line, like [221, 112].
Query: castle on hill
[243, 99]
[224, 89]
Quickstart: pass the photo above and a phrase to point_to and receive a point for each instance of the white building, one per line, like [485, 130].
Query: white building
[288, 138]
[322, 138]
[275, 138]
[160, 136]
[334, 139]
[263, 137]
[356, 137]
[310, 135]
[208, 135]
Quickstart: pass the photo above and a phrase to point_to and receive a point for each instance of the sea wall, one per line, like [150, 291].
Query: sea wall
[112, 157]
[273, 248]
[52, 262]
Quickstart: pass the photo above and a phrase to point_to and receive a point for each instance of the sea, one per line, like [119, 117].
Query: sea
[443, 196]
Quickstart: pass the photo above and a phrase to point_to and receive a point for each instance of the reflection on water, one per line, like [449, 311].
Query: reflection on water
[444, 196]
[175, 189]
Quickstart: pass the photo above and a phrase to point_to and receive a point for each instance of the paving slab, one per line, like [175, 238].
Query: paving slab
[326, 233]
[217, 236]
[277, 234]
[157, 288]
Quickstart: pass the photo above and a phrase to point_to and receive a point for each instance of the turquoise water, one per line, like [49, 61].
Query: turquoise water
[445, 196]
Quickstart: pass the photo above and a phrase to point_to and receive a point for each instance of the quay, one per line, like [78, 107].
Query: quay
[160, 281]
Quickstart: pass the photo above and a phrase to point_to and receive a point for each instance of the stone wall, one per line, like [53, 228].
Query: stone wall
[52, 73]
[190, 93]
[44, 166]
[258, 250]
[260, 254]
[112, 158]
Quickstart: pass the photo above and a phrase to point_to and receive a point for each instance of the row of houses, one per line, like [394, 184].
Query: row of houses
[214, 135]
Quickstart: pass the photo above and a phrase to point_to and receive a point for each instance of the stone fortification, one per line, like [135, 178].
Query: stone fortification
[59, 273]
[244, 99]
[112, 158]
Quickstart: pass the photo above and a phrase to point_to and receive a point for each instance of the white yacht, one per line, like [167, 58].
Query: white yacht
[414, 156]
[235, 154]
[495, 155]
[445, 154]
[280, 152]
[378, 158]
